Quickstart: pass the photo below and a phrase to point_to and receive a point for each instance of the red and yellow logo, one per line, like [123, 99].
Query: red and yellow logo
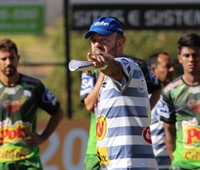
[14, 133]
[147, 135]
[192, 135]
[101, 127]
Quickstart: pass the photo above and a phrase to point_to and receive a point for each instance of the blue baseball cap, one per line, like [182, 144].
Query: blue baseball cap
[105, 26]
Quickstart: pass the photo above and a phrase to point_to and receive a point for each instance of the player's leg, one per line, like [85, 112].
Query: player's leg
[7, 165]
[30, 164]
[91, 162]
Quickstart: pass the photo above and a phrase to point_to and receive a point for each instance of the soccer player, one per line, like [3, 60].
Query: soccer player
[21, 95]
[163, 67]
[181, 107]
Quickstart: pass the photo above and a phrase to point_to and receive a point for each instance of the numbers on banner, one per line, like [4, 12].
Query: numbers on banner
[68, 145]
[67, 152]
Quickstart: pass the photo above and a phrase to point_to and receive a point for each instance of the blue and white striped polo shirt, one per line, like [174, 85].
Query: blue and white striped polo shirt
[123, 134]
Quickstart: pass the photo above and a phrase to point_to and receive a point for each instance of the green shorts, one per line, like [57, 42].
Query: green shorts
[91, 162]
[28, 164]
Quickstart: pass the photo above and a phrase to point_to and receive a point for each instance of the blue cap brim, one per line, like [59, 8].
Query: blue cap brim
[99, 31]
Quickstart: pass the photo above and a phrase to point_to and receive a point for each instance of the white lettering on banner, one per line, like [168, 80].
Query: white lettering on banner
[144, 18]
[22, 2]
[172, 17]
[68, 145]
[54, 142]
[4, 14]
[19, 26]
[86, 17]
[134, 18]
[20, 14]
[50, 151]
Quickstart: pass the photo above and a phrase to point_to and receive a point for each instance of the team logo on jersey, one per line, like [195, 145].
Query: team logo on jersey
[194, 105]
[48, 97]
[142, 87]
[101, 128]
[13, 106]
[147, 135]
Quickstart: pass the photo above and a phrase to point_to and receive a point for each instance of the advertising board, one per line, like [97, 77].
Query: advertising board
[66, 147]
[140, 15]
[22, 16]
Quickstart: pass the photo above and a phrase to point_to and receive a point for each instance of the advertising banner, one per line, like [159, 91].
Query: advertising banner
[22, 16]
[66, 147]
[139, 14]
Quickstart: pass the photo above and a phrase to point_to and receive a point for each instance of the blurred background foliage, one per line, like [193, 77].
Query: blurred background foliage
[50, 48]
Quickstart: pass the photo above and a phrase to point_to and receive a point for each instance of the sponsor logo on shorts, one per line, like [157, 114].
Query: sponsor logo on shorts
[13, 154]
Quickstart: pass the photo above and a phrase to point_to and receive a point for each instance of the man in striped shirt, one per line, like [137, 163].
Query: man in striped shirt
[162, 65]
[122, 105]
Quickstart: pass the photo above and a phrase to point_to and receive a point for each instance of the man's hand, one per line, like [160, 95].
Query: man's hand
[34, 139]
[97, 59]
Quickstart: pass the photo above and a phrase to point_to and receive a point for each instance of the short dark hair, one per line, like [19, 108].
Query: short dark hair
[8, 45]
[188, 40]
[152, 61]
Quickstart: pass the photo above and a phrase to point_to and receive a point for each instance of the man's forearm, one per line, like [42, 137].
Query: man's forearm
[53, 123]
[91, 98]
[170, 139]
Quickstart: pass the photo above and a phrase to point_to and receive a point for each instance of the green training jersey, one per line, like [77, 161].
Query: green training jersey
[181, 105]
[18, 106]
[87, 84]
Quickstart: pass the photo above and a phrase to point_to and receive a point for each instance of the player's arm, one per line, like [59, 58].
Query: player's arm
[155, 96]
[153, 84]
[35, 139]
[170, 138]
[90, 99]
[168, 116]
[53, 123]
[114, 69]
